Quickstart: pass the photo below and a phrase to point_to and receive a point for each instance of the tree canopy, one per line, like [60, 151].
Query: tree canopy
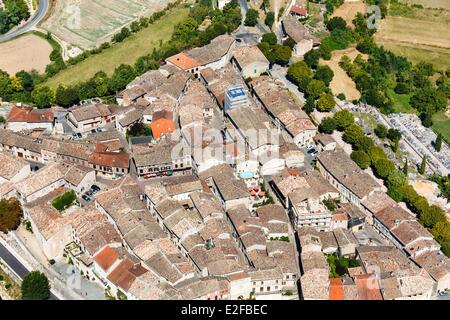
[35, 286]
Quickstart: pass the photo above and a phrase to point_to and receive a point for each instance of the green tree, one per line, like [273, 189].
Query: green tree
[66, 96]
[5, 83]
[423, 165]
[270, 19]
[405, 167]
[309, 105]
[289, 42]
[396, 179]
[381, 131]
[431, 216]
[270, 38]
[361, 159]
[135, 26]
[438, 143]
[43, 97]
[311, 58]
[336, 23]
[344, 119]
[122, 75]
[325, 103]
[376, 153]
[300, 74]
[251, 19]
[325, 74]
[282, 54]
[315, 88]
[35, 286]
[353, 134]
[383, 168]
[328, 125]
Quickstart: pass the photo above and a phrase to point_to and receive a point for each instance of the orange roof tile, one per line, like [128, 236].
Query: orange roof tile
[106, 257]
[336, 289]
[28, 114]
[183, 61]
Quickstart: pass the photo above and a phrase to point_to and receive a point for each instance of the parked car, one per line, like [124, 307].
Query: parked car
[95, 188]
[89, 193]
[311, 151]
[311, 146]
[85, 198]
[443, 293]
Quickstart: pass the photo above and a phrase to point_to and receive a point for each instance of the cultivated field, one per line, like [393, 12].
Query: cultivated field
[126, 52]
[25, 53]
[444, 4]
[341, 82]
[88, 23]
[349, 9]
[418, 34]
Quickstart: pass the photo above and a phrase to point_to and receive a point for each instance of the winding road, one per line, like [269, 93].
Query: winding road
[38, 16]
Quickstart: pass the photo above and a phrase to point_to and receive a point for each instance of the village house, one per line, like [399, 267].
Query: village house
[250, 61]
[298, 12]
[353, 184]
[325, 142]
[13, 169]
[22, 118]
[87, 117]
[126, 118]
[113, 164]
[44, 181]
[285, 112]
[162, 123]
[229, 190]
[399, 277]
[214, 55]
[314, 282]
[304, 40]
[160, 159]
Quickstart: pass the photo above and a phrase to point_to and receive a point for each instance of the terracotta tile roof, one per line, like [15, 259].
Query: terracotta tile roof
[183, 61]
[368, 287]
[336, 289]
[299, 10]
[126, 273]
[106, 257]
[109, 159]
[28, 114]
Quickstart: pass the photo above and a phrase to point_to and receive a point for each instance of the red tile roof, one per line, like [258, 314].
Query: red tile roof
[28, 114]
[336, 289]
[298, 10]
[183, 61]
[126, 273]
[106, 258]
[109, 159]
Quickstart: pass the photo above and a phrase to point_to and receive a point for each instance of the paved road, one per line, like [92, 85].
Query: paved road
[18, 267]
[38, 16]
[244, 9]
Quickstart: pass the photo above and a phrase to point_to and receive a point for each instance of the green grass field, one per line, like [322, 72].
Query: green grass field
[441, 124]
[401, 102]
[127, 52]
